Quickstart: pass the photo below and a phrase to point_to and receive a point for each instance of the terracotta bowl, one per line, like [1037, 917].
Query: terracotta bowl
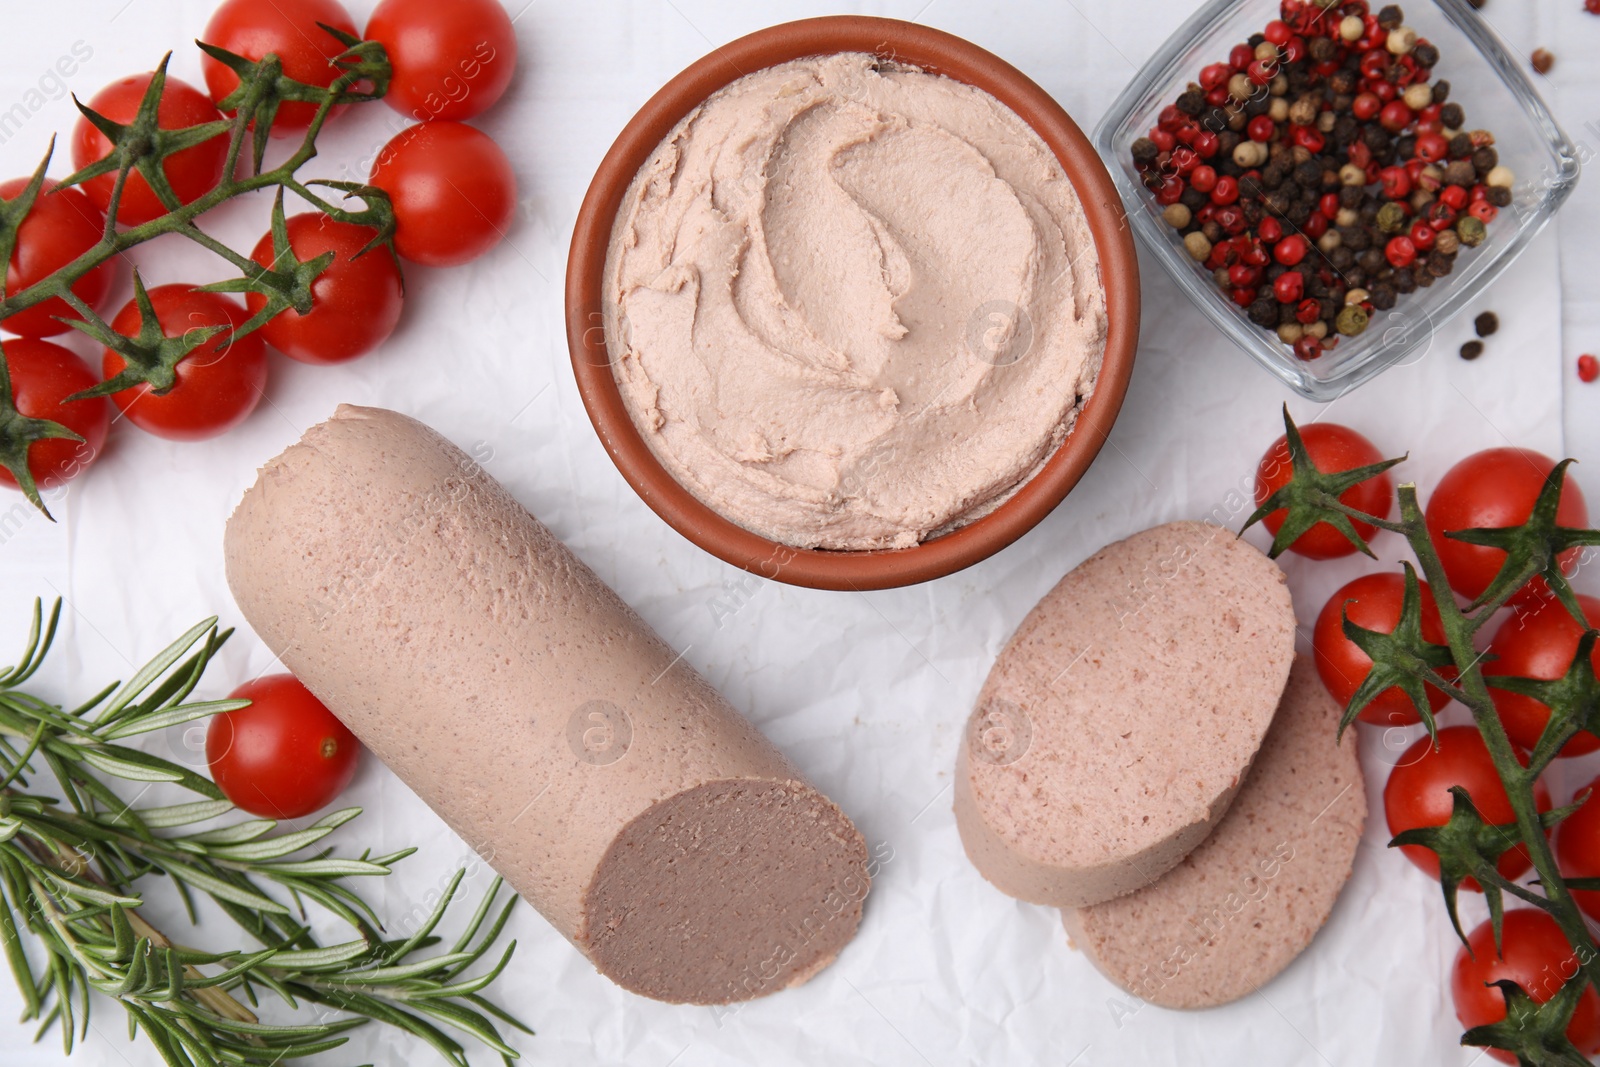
[932, 50]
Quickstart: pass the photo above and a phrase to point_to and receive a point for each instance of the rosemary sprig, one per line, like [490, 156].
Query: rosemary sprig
[140, 146]
[75, 868]
[1466, 846]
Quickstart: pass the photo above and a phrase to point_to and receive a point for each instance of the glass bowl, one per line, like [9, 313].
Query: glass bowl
[1484, 78]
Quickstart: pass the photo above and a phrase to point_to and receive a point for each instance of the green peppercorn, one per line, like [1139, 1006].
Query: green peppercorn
[1352, 320]
[1392, 218]
[1471, 230]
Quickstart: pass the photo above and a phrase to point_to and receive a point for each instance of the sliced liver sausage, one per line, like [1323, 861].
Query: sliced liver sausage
[1117, 724]
[647, 820]
[1245, 903]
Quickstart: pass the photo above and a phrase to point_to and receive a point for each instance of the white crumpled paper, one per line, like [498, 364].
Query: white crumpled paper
[867, 692]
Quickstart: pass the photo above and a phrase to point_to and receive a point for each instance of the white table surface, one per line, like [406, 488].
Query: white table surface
[867, 692]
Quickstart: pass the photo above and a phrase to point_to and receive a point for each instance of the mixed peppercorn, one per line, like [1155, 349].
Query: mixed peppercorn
[1319, 175]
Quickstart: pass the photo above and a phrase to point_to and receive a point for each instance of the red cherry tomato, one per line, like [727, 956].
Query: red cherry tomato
[1489, 489]
[1578, 847]
[355, 302]
[1332, 448]
[42, 376]
[285, 755]
[191, 173]
[1539, 641]
[218, 383]
[450, 61]
[1372, 602]
[1418, 794]
[63, 225]
[287, 28]
[1536, 955]
[453, 192]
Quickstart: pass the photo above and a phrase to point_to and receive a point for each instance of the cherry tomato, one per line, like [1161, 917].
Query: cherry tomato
[1372, 602]
[1536, 955]
[218, 383]
[1332, 448]
[1578, 847]
[450, 61]
[285, 755]
[355, 302]
[287, 28]
[1418, 794]
[1489, 489]
[1539, 641]
[42, 376]
[452, 189]
[63, 225]
[191, 173]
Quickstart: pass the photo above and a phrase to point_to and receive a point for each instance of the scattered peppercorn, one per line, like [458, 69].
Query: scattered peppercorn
[1486, 324]
[1542, 60]
[1588, 366]
[1471, 350]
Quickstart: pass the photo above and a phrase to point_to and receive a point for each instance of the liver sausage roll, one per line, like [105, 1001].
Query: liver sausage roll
[1243, 905]
[1115, 727]
[543, 720]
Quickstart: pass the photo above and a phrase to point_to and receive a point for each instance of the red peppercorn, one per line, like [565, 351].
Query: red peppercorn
[1431, 147]
[1262, 128]
[1480, 192]
[1163, 139]
[1290, 250]
[1431, 113]
[1230, 218]
[1386, 90]
[1277, 32]
[1483, 211]
[1396, 182]
[1241, 57]
[1244, 297]
[1440, 215]
[1262, 71]
[1422, 235]
[1289, 288]
[1329, 205]
[1308, 348]
[1360, 153]
[1214, 76]
[1203, 179]
[1327, 69]
[1186, 133]
[1366, 105]
[1217, 97]
[1205, 144]
[1170, 118]
[1226, 191]
[1255, 255]
[1401, 252]
[1171, 191]
[1373, 63]
[1295, 50]
[1308, 137]
[1308, 312]
[1593, 8]
[1589, 366]
[1316, 226]
[1242, 275]
[1270, 230]
[1454, 196]
[1185, 159]
[1394, 117]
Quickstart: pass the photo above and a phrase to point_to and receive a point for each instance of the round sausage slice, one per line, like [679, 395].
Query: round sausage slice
[647, 820]
[1116, 725]
[1243, 905]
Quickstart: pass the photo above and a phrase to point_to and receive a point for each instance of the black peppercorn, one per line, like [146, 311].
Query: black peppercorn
[1308, 174]
[1460, 172]
[1451, 115]
[1227, 141]
[1499, 196]
[1212, 230]
[1471, 350]
[1486, 324]
[1323, 48]
[1259, 104]
[1286, 314]
[1405, 281]
[1192, 102]
[1344, 82]
[1372, 260]
[1145, 151]
[1485, 159]
[1425, 279]
[1355, 238]
[1355, 278]
[1390, 16]
[1383, 296]
[1299, 212]
[1342, 258]
[1407, 146]
[1460, 146]
[1194, 199]
[1255, 39]
[1376, 138]
[1440, 263]
[1441, 93]
[1273, 176]
[1425, 54]
[1264, 313]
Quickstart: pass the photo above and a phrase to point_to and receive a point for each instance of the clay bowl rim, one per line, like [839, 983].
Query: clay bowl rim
[933, 50]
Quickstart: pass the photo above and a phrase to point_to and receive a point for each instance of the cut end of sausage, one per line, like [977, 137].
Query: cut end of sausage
[1117, 724]
[726, 892]
[1243, 905]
